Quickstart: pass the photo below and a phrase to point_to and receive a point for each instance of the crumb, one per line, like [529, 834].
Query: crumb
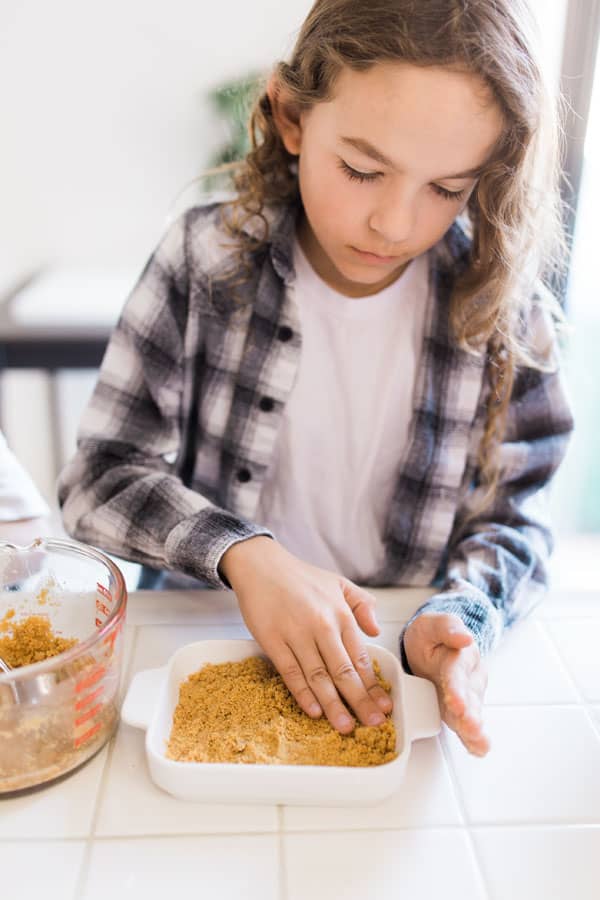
[5, 623]
[29, 640]
[243, 713]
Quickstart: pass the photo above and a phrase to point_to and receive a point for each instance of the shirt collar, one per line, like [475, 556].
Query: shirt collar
[281, 220]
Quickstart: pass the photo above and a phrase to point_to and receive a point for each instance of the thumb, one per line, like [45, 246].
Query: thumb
[454, 633]
[443, 629]
[362, 603]
[458, 640]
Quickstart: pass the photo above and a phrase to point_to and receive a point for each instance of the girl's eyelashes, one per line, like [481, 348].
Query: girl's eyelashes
[448, 195]
[355, 175]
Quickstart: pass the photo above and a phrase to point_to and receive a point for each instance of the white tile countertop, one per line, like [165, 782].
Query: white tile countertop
[521, 824]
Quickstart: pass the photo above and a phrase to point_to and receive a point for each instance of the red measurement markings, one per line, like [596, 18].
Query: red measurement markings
[89, 698]
[102, 608]
[88, 715]
[104, 591]
[90, 679]
[87, 735]
[111, 638]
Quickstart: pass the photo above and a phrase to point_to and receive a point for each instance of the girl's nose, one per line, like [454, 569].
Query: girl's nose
[394, 218]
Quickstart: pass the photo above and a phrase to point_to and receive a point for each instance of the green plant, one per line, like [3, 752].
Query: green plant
[233, 101]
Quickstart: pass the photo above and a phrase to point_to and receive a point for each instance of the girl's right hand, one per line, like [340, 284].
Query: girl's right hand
[307, 621]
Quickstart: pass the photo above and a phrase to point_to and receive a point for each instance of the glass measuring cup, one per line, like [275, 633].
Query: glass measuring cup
[57, 713]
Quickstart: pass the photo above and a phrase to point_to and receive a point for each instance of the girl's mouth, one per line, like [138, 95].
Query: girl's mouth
[367, 256]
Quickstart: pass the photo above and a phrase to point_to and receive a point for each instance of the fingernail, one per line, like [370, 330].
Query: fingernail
[376, 719]
[344, 722]
[384, 703]
[314, 709]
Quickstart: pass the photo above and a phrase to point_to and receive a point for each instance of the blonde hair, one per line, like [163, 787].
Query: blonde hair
[515, 210]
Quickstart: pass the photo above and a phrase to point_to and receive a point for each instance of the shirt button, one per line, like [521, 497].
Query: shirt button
[244, 475]
[285, 333]
[266, 404]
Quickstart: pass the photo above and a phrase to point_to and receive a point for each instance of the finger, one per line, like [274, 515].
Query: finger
[461, 694]
[468, 727]
[476, 741]
[286, 663]
[347, 680]
[321, 682]
[362, 603]
[453, 686]
[444, 628]
[462, 681]
[458, 640]
[480, 747]
[361, 661]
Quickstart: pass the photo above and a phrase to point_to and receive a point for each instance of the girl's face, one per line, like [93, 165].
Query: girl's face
[386, 166]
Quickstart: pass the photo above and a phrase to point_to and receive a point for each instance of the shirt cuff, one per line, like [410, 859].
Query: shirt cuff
[196, 545]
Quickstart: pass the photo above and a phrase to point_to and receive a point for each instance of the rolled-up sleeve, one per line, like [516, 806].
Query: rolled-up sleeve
[121, 491]
[496, 567]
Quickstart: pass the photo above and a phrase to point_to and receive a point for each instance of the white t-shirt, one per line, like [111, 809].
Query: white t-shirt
[19, 497]
[345, 425]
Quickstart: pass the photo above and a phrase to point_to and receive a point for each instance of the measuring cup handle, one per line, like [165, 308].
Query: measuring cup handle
[422, 708]
[141, 698]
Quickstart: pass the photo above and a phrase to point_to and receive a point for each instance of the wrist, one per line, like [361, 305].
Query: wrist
[408, 654]
[403, 656]
[240, 556]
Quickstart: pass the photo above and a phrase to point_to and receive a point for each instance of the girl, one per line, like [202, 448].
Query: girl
[346, 372]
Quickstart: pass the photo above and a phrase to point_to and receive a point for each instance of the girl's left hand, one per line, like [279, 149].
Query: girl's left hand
[441, 648]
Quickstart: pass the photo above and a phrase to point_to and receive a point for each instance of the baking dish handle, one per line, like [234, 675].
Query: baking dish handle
[422, 708]
[140, 700]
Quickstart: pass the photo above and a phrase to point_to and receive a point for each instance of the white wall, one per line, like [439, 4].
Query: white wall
[104, 116]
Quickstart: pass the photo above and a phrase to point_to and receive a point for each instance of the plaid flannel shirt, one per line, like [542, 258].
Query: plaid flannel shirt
[175, 444]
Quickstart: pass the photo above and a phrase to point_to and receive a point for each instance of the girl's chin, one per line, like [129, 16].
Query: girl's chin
[357, 284]
[372, 271]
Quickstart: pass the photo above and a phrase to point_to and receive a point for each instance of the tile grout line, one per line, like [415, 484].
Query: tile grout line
[466, 824]
[581, 702]
[281, 832]
[587, 705]
[84, 869]
[480, 826]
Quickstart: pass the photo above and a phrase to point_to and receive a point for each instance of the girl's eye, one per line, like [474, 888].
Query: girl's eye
[448, 195]
[355, 175]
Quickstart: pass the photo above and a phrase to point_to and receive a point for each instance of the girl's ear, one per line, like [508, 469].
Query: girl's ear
[286, 116]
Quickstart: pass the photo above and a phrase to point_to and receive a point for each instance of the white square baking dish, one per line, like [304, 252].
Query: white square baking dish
[153, 696]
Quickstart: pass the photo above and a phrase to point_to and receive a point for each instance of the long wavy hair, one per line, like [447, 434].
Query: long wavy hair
[514, 213]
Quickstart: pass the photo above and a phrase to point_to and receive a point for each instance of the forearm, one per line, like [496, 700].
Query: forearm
[493, 578]
[146, 514]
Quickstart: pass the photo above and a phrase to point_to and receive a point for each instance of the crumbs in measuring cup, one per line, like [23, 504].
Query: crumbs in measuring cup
[29, 640]
[243, 712]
